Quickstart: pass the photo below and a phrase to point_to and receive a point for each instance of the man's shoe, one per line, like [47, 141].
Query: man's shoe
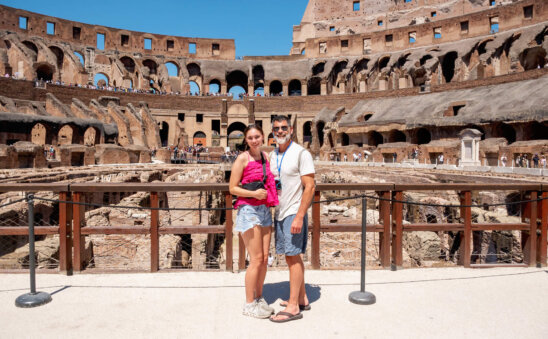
[264, 305]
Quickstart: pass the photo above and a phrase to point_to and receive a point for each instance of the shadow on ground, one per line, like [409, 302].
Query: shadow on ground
[273, 291]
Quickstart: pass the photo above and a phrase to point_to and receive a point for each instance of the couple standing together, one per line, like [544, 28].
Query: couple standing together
[284, 180]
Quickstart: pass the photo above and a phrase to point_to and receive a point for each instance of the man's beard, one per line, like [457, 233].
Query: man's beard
[282, 140]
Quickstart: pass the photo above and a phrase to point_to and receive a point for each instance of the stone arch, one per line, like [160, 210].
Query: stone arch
[532, 58]
[173, 69]
[32, 46]
[276, 88]
[80, 57]
[537, 131]
[295, 88]
[151, 65]
[193, 70]
[424, 59]
[99, 78]
[502, 130]
[216, 86]
[423, 136]
[335, 77]
[44, 71]
[235, 135]
[194, 87]
[40, 135]
[199, 139]
[448, 66]
[345, 139]
[164, 133]
[314, 86]
[307, 132]
[319, 127]
[129, 63]
[66, 135]
[236, 78]
[258, 75]
[59, 55]
[396, 136]
[375, 138]
[383, 62]
[318, 68]
[91, 136]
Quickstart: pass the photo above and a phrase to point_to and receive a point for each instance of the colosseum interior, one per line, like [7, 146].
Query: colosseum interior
[401, 82]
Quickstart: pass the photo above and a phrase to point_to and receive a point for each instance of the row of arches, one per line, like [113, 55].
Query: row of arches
[67, 134]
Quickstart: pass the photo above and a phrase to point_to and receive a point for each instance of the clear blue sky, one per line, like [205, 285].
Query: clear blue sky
[258, 27]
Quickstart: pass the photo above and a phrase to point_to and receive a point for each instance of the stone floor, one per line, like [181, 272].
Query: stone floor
[412, 303]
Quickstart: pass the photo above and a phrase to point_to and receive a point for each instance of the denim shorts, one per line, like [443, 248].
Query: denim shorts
[287, 243]
[251, 216]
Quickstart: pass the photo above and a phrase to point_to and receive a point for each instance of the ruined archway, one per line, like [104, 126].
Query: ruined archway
[164, 133]
[44, 72]
[345, 139]
[396, 136]
[423, 136]
[532, 58]
[39, 135]
[101, 80]
[318, 68]
[276, 88]
[236, 78]
[173, 69]
[537, 131]
[151, 65]
[383, 62]
[307, 132]
[199, 139]
[235, 136]
[448, 66]
[59, 55]
[65, 135]
[314, 86]
[91, 136]
[258, 75]
[194, 70]
[214, 86]
[32, 47]
[129, 64]
[319, 128]
[375, 138]
[295, 88]
[505, 131]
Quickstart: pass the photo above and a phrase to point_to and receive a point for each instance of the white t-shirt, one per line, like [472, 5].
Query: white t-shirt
[291, 172]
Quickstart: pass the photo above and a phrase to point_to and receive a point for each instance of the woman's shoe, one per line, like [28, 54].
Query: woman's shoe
[264, 305]
[254, 310]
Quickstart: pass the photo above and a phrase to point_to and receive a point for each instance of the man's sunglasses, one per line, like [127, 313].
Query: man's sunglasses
[283, 128]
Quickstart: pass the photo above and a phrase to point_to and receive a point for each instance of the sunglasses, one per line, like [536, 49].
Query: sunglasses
[283, 128]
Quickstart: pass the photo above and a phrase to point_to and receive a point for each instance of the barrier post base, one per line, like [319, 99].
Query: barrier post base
[362, 298]
[29, 300]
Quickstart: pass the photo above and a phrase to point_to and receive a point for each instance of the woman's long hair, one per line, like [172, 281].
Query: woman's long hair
[249, 128]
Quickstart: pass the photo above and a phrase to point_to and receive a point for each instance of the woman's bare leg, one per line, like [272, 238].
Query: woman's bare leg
[254, 245]
[266, 233]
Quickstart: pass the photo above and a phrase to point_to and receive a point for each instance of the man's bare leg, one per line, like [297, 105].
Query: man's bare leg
[296, 281]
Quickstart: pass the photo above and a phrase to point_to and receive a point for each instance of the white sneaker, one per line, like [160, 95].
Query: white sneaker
[254, 310]
[264, 305]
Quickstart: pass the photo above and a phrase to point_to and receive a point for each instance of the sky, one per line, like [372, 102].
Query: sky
[258, 27]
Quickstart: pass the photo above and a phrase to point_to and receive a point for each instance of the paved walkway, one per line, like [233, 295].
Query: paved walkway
[412, 303]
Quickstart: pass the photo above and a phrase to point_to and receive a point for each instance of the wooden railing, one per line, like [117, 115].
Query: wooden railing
[72, 226]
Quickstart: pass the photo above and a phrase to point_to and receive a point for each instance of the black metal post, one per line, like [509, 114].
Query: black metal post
[33, 298]
[362, 297]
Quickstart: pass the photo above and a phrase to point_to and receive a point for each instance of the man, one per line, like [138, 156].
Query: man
[293, 168]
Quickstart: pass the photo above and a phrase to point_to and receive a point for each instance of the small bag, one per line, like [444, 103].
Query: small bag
[257, 185]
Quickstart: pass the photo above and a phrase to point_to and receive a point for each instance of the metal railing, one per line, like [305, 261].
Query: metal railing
[392, 216]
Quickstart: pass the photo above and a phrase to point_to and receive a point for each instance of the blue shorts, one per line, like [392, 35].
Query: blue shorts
[251, 216]
[287, 243]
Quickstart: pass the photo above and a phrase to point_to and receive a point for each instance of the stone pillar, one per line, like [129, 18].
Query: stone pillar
[285, 89]
[363, 86]
[250, 89]
[251, 114]
[206, 88]
[323, 87]
[304, 88]
[266, 89]
[223, 88]
[402, 83]
[382, 84]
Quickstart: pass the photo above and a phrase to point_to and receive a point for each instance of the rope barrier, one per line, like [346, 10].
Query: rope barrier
[13, 202]
[355, 197]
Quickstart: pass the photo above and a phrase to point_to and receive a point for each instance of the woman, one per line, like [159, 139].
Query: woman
[254, 220]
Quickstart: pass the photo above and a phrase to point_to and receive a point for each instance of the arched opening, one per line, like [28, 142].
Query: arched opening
[65, 135]
[295, 88]
[151, 65]
[383, 62]
[237, 92]
[172, 69]
[236, 78]
[448, 66]
[214, 86]
[271, 140]
[193, 69]
[423, 136]
[128, 63]
[91, 136]
[276, 88]
[39, 134]
[236, 136]
[100, 80]
[199, 139]
[533, 58]
[505, 131]
[367, 117]
[307, 132]
[80, 57]
[194, 88]
[318, 68]
[258, 75]
[44, 72]
[258, 90]
[345, 139]
[164, 133]
[538, 131]
[361, 65]
[319, 127]
[314, 86]
[424, 59]
[375, 139]
[396, 136]
[59, 55]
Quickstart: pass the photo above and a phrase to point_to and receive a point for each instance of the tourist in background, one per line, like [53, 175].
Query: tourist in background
[535, 160]
[503, 160]
[256, 195]
[293, 167]
[543, 162]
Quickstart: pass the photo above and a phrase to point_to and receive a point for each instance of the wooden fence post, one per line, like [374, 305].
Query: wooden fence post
[229, 245]
[154, 233]
[386, 235]
[78, 212]
[543, 239]
[397, 230]
[316, 228]
[467, 241]
[65, 234]
[529, 237]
